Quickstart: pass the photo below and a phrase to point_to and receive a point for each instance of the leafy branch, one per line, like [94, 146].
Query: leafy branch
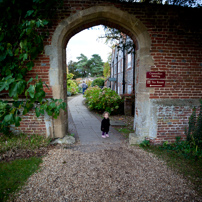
[22, 32]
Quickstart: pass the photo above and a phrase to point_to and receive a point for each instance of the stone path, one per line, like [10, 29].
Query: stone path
[88, 126]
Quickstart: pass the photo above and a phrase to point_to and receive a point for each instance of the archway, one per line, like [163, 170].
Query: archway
[144, 123]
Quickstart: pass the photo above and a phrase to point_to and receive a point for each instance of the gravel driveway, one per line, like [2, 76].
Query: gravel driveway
[105, 173]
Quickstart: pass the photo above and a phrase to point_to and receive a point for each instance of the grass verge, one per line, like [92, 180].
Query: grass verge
[125, 131]
[14, 174]
[20, 157]
[22, 141]
[189, 168]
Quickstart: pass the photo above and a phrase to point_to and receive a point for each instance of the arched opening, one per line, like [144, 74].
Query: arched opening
[144, 123]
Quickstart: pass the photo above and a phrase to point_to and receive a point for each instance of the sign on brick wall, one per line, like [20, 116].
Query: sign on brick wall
[156, 75]
[155, 83]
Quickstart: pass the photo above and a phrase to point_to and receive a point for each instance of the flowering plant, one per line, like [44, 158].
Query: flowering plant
[103, 99]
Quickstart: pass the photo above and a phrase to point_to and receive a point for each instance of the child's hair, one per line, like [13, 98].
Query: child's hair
[106, 113]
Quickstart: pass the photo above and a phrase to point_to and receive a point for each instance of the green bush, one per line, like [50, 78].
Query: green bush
[98, 82]
[183, 148]
[89, 83]
[194, 131]
[102, 99]
[145, 143]
[72, 87]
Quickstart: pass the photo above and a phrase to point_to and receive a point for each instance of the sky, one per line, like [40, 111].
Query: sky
[87, 42]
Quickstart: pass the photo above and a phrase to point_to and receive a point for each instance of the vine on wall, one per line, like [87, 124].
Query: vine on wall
[23, 28]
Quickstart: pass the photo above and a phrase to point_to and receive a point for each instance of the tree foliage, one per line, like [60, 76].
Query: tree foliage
[106, 70]
[96, 65]
[22, 31]
[114, 37]
[72, 68]
[86, 67]
[185, 3]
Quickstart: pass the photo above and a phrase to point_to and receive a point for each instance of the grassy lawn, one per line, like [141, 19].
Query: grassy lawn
[20, 157]
[191, 169]
[14, 174]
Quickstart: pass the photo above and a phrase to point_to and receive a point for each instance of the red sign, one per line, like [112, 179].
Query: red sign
[155, 83]
[156, 75]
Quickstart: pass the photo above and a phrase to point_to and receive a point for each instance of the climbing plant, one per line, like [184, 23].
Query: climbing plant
[23, 28]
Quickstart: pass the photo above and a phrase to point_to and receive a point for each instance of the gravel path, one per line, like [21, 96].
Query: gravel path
[105, 173]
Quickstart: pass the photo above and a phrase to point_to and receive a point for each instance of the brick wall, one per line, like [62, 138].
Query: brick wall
[172, 121]
[176, 48]
[31, 125]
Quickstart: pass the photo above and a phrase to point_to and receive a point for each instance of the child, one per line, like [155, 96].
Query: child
[105, 125]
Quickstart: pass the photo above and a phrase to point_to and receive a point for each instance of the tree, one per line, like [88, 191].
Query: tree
[185, 3]
[116, 38]
[83, 65]
[106, 70]
[72, 67]
[96, 65]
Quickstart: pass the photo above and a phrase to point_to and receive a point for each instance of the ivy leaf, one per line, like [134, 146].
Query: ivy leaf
[5, 83]
[25, 56]
[25, 111]
[9, 49]
[3, 56]
[30, 65]
[16, 89]
[39, 23]
[31, 79]
[16, 51]
[55, 116]
[49, 112]
[17, 120]
[46, 85]
[40, 95]
[1, 37]
[31, 91]
[9, 118]
[37, 111]
[52, 105]
[45, 22]
[30, 12]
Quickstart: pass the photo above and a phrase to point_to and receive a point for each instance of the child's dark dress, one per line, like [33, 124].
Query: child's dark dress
[105, 125]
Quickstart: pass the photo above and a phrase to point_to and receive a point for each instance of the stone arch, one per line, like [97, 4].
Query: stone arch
[108, 15]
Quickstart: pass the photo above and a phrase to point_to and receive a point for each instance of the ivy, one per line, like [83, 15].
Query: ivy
[23, 28]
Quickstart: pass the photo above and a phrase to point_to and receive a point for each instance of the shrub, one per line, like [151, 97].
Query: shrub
[89, 83]
[183, 148]
[102, 99]
[145, 143]
[72, 87]
[194, 131]
[98, 82]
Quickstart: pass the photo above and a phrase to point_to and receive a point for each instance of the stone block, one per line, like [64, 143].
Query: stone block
[65, 140]
[134, 139]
